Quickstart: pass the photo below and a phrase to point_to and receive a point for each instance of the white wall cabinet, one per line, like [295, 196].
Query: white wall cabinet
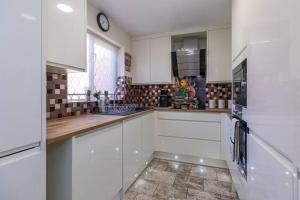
[219, 56]
[239, 21]
[151, 60]
[87, 166]
[140, 61]
[66, 34]
[138, 146]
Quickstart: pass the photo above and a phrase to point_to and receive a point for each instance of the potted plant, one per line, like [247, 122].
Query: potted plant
[88, 95]
[97, 95]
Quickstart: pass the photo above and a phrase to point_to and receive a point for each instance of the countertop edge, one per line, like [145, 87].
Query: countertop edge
[72, 133]
[93, 127]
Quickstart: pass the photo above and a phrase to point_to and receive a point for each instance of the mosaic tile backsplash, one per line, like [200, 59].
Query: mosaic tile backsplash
[57, 104]
[142, 95]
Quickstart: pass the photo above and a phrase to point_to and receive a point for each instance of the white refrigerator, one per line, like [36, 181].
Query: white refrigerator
[22, 135]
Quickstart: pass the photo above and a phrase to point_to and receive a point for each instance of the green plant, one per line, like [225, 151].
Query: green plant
[88, 93]
[97, 94]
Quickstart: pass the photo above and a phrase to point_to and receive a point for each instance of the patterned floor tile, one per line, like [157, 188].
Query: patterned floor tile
[144, 197]
[179, 168]
[168, 180]
[159, 176]
[201, 195]
[167, 191]
[142, 186]
[219, 187]
[224, 175]
[204, 172]
[159, 164]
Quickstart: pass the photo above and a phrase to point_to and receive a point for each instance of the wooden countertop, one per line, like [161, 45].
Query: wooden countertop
[65, 128]
[215, 110]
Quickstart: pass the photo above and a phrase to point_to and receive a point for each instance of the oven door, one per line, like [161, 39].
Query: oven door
[242, 148]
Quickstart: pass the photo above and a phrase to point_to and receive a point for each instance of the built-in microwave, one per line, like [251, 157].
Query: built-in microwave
[240, 84]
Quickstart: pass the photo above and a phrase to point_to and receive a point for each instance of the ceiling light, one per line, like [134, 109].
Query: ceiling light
[65, 8]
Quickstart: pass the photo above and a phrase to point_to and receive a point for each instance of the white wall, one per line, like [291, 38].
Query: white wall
[115, 35]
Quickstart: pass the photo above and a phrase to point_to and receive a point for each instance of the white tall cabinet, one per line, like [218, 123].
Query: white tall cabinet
[219, 55]
[22, 136]
[269, 31]
[66, 34]
[151, 60]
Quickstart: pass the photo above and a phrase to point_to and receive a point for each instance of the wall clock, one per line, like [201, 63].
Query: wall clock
[103, 22]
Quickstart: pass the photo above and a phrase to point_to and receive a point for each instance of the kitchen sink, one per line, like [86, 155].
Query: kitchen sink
[121, 112]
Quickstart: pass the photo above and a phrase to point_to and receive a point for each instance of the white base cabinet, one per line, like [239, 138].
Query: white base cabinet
[196, 134]
[138, 146]
[88, 166]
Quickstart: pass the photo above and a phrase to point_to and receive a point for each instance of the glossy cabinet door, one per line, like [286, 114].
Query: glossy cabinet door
[151, 60]
[148, 136]
[219, 56]
[140, 61]
[240, 9]
[22, 176]
[21, 72]
[270, 175]
[66, 34]
[97, 164]
[160, 53]
[132, 150]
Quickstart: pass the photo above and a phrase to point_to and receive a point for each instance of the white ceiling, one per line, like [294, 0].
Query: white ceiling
[142, 17]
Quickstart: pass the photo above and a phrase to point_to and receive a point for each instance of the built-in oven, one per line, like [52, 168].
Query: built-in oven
[239, 142]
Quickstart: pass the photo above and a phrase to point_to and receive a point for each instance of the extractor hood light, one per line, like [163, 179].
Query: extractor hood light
[65, 8]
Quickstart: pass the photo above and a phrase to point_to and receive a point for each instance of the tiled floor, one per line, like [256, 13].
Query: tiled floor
[168, 180]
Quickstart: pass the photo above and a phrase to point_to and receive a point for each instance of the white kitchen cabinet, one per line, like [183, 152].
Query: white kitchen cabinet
[97, 164]
[132, 150]
[66, 34]
[196, 134]
[270, 175]
[148, 123]
[138, 147]
[240, 9]
[151, 60]
[219, 56]
[88, 166]
[187, 146]
[140, 61]
[160, 60]
[21, 70]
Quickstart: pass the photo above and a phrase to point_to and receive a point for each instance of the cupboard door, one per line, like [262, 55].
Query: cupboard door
[270, 175]
[141, 61]
[148, 136]
[219, 56]
[66, 34]
[132, 150]
[21, 72]
[160, 54]
[97, 164]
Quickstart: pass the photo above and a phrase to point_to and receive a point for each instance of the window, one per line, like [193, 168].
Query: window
[101, 72]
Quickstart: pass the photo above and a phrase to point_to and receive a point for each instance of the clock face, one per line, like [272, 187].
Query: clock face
[103, 22]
